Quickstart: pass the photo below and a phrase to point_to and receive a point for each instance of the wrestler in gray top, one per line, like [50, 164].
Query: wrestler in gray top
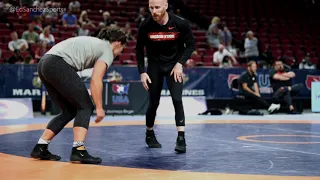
[83, 51]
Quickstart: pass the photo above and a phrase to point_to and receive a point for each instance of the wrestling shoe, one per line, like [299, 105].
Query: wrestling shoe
[151, 140]
[40, 151]
[273, 107]
[81, 155]
[180, 145]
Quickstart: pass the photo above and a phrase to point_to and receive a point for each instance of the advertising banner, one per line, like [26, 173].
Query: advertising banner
[17, 81]
[125, 98]
[315, 96]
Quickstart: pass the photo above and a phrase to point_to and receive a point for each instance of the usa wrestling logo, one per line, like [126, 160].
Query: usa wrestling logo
[310, 79]
[121, 92]
[231, 78]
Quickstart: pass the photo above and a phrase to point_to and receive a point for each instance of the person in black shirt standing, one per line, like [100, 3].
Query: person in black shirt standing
[281, 82]
[248, 87]
[169, 44]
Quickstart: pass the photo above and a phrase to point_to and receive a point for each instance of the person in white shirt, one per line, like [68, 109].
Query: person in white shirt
[17, 44]
[223, 56]
[46, 36]
[74, 6]
[306, 63]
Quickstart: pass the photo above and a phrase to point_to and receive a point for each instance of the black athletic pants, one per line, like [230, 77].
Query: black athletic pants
[256, 100]
[157, 74]
[287, 94]
[67, 90]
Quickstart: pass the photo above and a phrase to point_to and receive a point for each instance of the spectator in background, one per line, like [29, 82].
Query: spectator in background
[4, 11]
[306, 63]
[214, 22]
[128, 30]
[190, 63]
[101, 26]
[226, 38]
[50, 14]
[17, 44]
[5, 6]
[39, 4]
[83, 30]
[30, 35]
[74, 6]
[107, 19]
[37, 11]
[38, 24]
[222, 57]
[69, 19]
[83, 19]
[214, 33]
[281, 82]
[251, 47]
[41, 50]
[142, 15]
[46, 36]
[294, 64]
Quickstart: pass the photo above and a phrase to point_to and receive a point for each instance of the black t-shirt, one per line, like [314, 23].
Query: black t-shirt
[246, 77]
[165, 44]
[276, 84]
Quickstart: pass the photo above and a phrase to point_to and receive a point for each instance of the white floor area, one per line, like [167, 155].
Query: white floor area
[276, 117]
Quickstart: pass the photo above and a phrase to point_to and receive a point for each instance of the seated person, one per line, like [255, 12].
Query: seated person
[306, 63]
[41, 50]
[69, 19]
[248, 87]
[281, 82]
[47, 36]
[17, 44]
[30, 35]
[83, 30]
[222, 57]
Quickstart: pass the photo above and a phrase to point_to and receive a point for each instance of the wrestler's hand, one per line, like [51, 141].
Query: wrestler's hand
[177, 72]
[100, 114]
[145, 79]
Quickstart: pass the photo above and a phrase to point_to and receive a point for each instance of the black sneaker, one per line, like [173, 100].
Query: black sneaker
[180, 145]
[81, 155]
[40, 151]
[151, 140]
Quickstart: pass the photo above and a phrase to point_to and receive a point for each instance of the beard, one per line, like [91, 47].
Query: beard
[158, 17]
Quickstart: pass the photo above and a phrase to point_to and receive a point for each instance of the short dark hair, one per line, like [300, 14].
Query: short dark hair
[113, 34]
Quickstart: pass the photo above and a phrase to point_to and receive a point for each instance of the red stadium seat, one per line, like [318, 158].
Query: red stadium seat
[123, 57]
[196, 58]
[278, 28]
[208, 59]
[129, 50]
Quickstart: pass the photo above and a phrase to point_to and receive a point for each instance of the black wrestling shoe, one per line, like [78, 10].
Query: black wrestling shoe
[180, 145]
[81, 155]
[151, 140]
[41, 152]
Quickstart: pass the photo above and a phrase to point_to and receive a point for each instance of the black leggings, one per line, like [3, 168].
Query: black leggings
[157, 74]
[67, 90]
[287, 94]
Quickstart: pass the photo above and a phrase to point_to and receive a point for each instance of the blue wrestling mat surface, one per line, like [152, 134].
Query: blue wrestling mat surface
[264, 149]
